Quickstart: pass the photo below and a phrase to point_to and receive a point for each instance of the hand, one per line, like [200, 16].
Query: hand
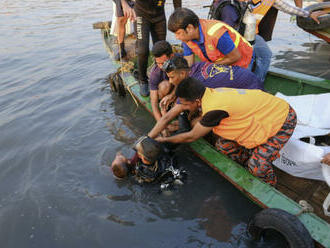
[314, 15]
[128, 11]
[166, 101]
[326, 159]
[165, 133]
[173, 126]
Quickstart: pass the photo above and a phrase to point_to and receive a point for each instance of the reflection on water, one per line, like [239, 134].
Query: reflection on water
[61, 127]
[297, 50]
[315, 60]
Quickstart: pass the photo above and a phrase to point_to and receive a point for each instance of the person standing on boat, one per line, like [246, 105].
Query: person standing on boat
[150, 19]
[124, 11]
[250, 126]
[229, 11]
[210, 40]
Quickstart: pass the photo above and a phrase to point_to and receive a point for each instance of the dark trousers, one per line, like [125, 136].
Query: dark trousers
[145, 27]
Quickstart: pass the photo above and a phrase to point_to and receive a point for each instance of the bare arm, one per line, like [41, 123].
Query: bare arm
[197, 132]
[154, 104]
[230, 58]
[128, 11]
[162, 123]
[298, 3]
[190, 59]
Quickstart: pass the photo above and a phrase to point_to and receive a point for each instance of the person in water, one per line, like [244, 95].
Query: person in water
[250, 126]
[152, 162]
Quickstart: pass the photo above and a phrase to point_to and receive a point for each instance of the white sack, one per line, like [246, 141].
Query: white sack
[312, 110]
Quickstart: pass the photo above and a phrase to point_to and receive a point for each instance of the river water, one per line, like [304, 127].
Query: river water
[61, 127]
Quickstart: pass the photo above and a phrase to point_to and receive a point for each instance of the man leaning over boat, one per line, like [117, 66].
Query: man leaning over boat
[210, 40]
[250, 126]
[210, 74]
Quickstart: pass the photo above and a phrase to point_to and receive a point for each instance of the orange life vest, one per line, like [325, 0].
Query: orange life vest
[254, 115]
[212, 31]
[260, 9]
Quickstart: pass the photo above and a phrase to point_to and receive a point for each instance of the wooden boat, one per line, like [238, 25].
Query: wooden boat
[321, 30]
[289, 189]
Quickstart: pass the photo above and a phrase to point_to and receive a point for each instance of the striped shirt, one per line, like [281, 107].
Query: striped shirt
[289, 9]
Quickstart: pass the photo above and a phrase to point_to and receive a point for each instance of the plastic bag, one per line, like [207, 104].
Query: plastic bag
[312, 110]
[302, 159]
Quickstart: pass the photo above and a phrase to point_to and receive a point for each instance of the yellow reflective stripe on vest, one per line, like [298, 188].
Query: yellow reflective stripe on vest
[217, 26]
[214, 28]
[238, 35]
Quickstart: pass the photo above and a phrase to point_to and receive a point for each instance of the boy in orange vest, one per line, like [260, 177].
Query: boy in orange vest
[211, 40]
[250, 126]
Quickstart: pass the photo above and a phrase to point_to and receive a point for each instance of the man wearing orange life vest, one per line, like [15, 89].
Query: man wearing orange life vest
[250, 126]
[211, 40]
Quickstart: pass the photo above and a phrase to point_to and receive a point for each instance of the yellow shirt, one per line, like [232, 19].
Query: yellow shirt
[254, 115]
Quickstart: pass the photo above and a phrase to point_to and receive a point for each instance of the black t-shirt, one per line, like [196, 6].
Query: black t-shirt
[213, 118]
[150, 9]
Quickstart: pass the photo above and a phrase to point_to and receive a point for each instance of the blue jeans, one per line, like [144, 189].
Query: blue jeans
[262, 59]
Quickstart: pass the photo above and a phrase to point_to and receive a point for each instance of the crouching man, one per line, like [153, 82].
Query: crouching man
[250, 126]
[151, 163]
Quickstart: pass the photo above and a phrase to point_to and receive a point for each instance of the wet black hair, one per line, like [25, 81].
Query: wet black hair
[177, 62]
[180, 62]
[181, 18]
[149, 148]
[120, 170]
[190, 89]
[161, 47]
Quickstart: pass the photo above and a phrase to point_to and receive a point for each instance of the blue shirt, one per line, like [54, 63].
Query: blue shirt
[225, 44]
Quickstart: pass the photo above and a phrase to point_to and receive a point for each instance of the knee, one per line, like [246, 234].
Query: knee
[164, 88]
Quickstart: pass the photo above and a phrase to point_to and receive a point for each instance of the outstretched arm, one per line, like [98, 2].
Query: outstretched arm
[162, 123]
[154, 104]
[292, 10]
[197, 132]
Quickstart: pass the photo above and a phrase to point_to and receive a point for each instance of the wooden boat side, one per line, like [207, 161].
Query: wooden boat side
[322, 34]
[261, 193]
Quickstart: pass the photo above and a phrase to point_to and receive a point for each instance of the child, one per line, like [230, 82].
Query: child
[151, 163]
